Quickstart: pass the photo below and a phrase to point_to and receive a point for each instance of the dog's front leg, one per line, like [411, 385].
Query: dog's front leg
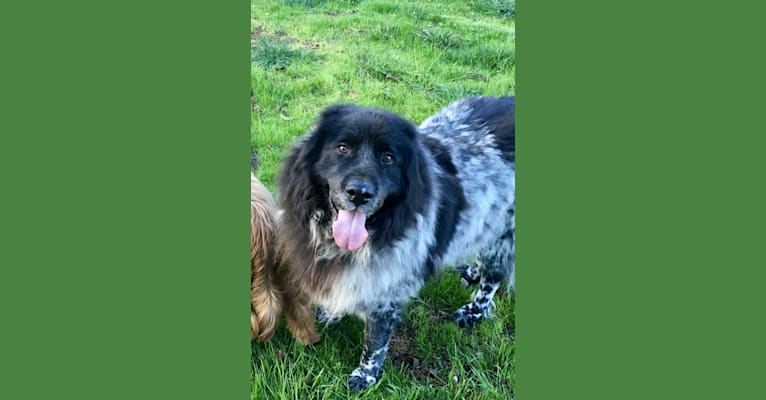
[379, 326]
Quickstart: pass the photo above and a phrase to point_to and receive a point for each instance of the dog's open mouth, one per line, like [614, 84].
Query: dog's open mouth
[348, 230]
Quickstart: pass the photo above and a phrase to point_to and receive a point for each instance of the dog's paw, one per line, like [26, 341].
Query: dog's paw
[304, 331]
[325, 318]
[308, 337]
[467, 315]
[360, 380]
[469, 274]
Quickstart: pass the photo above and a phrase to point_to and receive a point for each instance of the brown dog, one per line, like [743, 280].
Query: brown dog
[266, 286]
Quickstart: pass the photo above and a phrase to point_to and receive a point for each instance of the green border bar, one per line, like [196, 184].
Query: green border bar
[640, 200]
[125, 157]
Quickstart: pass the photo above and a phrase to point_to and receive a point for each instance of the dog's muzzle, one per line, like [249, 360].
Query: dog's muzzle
[359, 192]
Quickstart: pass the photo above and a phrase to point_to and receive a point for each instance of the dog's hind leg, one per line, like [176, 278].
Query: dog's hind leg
[494, 264]
[378, 328]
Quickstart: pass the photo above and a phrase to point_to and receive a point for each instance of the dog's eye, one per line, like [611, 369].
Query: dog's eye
[388, 158]
[343, 149]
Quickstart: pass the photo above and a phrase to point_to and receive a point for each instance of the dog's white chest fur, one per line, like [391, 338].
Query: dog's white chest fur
[372, 279]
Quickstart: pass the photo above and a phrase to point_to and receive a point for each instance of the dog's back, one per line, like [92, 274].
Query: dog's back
[477, 136]
[499, 117]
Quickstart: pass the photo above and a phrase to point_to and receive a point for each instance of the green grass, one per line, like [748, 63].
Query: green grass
[276, 53]
[412, 57]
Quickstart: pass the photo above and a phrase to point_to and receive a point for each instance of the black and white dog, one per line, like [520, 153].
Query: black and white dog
[374, 206]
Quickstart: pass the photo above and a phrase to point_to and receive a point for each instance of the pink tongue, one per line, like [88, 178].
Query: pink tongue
[348, 230]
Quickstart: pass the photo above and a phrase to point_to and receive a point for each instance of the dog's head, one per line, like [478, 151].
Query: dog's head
[366, 160]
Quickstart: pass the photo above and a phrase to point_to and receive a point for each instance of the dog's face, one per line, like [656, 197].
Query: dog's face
[364, 156]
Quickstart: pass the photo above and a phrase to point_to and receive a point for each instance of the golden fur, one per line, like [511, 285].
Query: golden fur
[266, 286]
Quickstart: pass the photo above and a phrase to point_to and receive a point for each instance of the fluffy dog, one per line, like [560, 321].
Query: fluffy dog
[373, 206]
[266, 295]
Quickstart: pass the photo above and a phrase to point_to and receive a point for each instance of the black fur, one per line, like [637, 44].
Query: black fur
[451, 203]
[499, 115]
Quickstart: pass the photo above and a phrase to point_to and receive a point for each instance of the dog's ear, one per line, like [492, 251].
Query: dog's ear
[417, 175]
[404, 125]
[298, 181]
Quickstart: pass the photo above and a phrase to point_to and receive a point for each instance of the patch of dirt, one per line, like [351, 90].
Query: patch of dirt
[356, 32]
[256, 33]
[260, 31]
[402, 352]
[335, 13]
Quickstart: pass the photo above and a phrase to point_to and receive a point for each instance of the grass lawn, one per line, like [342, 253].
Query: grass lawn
[411, 57]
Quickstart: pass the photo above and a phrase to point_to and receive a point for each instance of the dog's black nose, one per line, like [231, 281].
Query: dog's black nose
[359, 193]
